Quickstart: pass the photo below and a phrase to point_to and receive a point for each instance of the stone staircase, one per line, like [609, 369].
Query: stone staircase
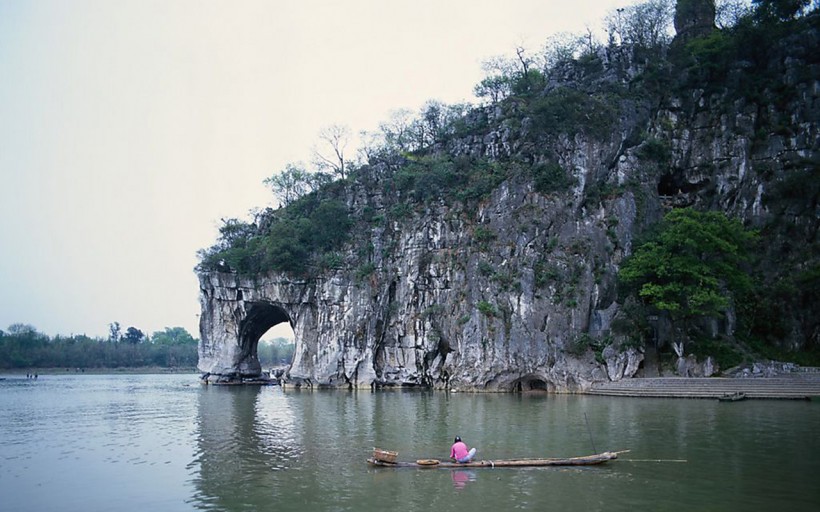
[799, 386]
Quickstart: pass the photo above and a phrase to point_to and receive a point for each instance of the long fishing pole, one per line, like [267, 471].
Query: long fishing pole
[653, 460]
[589, 431]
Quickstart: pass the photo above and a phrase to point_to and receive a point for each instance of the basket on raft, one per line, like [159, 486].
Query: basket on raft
[385, 455]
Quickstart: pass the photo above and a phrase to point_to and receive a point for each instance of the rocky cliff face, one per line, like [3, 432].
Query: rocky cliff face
[694, 18]
[442, 307]
[518, 291]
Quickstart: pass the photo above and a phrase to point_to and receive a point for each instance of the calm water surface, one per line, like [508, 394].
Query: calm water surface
[166, 443]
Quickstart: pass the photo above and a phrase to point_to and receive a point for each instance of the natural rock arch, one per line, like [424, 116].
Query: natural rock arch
[234, 317]
[259, 317]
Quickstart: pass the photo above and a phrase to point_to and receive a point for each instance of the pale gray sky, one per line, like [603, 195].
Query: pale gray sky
[128, 128]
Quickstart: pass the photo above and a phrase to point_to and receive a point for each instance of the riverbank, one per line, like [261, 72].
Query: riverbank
[805, 385]
[792, 387]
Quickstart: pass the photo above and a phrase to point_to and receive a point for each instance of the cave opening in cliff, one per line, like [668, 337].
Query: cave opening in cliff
[530, 385]
[267, 334]
[675, 183]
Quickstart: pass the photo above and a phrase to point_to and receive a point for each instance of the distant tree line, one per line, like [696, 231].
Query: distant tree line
[22, 346]
[277, 352]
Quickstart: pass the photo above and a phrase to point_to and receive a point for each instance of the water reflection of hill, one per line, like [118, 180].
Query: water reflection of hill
[245, 436]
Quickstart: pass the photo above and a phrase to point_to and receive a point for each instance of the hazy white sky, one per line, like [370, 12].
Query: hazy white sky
[128, 128]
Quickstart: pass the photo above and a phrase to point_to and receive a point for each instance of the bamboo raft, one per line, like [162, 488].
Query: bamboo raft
[587, 460]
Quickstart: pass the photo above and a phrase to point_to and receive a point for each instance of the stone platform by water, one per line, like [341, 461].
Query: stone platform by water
[802, 386]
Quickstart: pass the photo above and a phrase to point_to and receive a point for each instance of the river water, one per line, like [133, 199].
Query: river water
[166, 443]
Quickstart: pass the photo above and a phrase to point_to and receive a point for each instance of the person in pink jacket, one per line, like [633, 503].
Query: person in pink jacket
[459, 452]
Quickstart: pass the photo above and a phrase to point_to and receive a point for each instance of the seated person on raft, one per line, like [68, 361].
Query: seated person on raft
[459, 452]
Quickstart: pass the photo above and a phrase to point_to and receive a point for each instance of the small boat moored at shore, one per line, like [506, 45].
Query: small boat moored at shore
[733, 397]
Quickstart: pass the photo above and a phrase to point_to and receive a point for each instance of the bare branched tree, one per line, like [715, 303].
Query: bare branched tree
[373, 146]
[523, 59]
[290, 183]
[497, 85]
[396, 131]
[563, 47]
[647, 24]
[729, 12]
[331, 155]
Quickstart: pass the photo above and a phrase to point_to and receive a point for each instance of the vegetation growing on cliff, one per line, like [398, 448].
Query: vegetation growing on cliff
[696, 266]
[693, 266]
[286, 240]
